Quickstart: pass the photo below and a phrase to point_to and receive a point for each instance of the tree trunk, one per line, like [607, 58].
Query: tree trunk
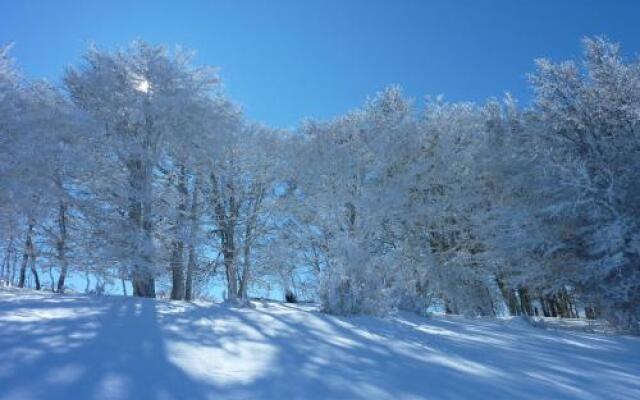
[228, 253]
[143, 282]
[553, 309]
[188, 284]
[193, 234]
[52, 280]
[7, 271]
[591, 312]
[86, 277]
[25, 256]
[525, 301]
[246, 272]
[568, 305]
[23, 269]
[229, 256]
[177, 271]
[250, 228]
[140, 177]
[450, 307]
[99, 288]
[227, 214]
[12, 278]
[545, 307]
[32, 266]
[512, 301]
[61, 245]
[177, 251]
[509, 296]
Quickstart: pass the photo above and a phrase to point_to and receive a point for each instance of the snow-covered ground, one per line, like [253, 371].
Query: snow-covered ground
[78, 347]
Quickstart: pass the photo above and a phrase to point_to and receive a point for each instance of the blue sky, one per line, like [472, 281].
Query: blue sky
[286, 60]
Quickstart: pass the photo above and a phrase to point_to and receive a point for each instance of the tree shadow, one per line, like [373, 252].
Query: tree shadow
[320, 356]
[117, 353]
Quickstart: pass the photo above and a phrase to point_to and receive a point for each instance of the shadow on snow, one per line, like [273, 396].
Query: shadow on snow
[70, 347]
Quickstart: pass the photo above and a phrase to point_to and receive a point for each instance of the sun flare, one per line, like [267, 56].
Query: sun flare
[143, 86]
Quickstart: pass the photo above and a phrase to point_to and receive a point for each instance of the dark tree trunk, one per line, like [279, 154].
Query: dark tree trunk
[12, 278]
[23, 269]
[191, 265]
[144, 287]
[290, 297]
[562, 304]
[8, 267]
[142, 280]
[88, 281]
[509, 297]
[525, 301]
[246, 268]
[553, 308]
[228, 253]
[246, 273]
[568, 305]
[227, 215]
[25, 256]
[177, 251]
[34, 271]
[515, 306]
[450, 306]
[191, 261]
[545, 307]
[61, 246]
[177, 271]
[591, 312]
[250, 228]
[144, 283]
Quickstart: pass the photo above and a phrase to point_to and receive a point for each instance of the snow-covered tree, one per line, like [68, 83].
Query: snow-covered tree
[140, 98]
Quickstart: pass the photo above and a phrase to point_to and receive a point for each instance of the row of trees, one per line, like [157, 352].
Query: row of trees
[140, 169]
[137, 169]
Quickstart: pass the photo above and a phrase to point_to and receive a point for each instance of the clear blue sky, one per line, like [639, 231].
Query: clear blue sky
[285, 60]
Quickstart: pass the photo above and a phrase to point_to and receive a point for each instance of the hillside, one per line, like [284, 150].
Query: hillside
[78, 347]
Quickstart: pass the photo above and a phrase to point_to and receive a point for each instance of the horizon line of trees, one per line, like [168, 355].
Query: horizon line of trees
[140, 169]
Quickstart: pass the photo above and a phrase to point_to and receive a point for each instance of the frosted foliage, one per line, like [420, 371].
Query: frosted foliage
[140, 171]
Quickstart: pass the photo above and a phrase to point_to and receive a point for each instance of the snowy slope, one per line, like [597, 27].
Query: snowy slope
[77, 347]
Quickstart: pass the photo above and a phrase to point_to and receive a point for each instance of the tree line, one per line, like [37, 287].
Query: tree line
[139, 169]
